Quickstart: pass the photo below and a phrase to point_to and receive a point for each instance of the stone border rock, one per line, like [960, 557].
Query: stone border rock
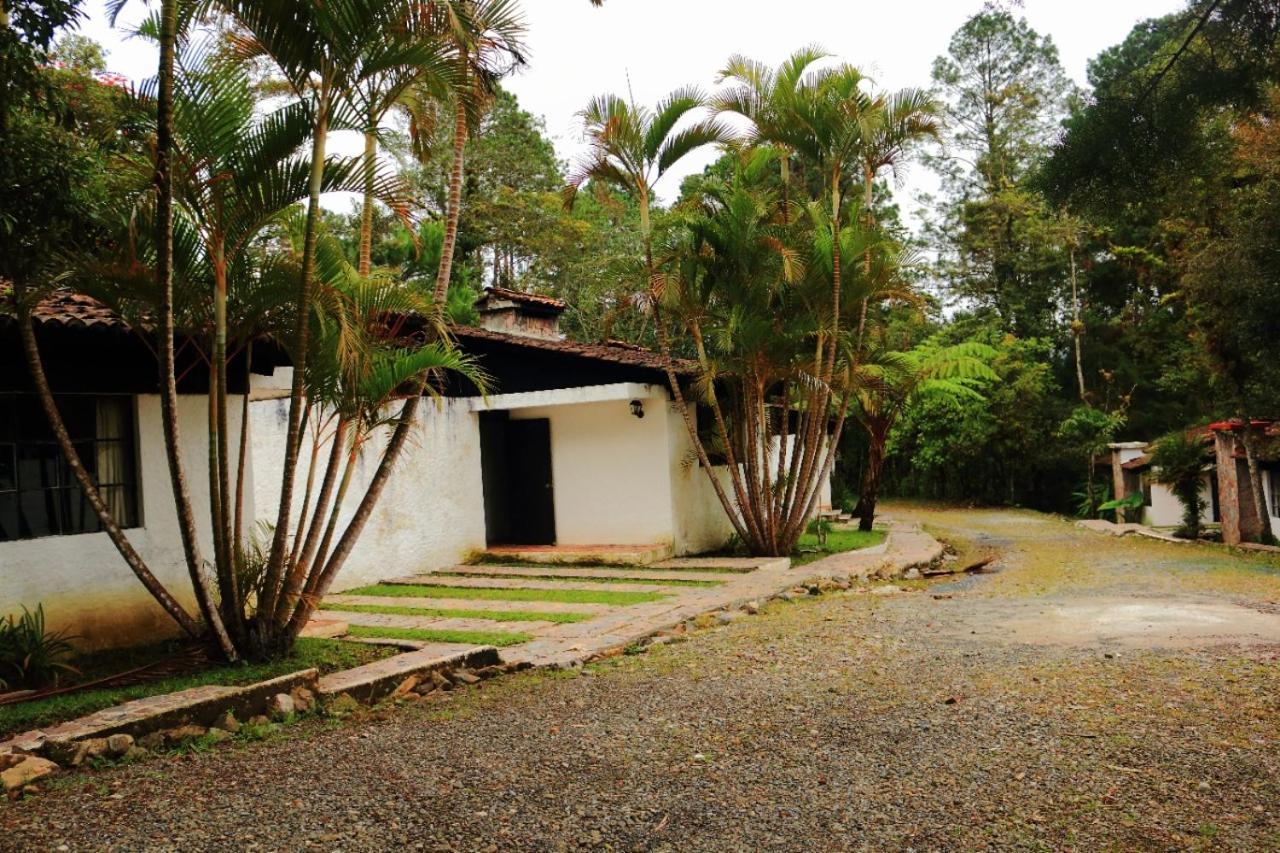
[421, 673]
[194, 706]
[906, 547]
[373, 681]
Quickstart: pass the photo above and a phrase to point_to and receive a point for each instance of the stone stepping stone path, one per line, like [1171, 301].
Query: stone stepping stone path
[711, 577]
[575, 572]
[719, 564]
[431, 623]
[517, 583]
[463, 603]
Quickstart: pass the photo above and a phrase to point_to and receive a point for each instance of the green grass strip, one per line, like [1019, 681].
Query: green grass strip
[448, 613]
[551, 577]
[561, 596]
[479, 638]
[325, 655]
[838, 541]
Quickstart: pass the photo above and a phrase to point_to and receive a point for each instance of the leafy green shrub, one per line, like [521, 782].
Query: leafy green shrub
[30, 655]
[1133, 501]
[1178, 462]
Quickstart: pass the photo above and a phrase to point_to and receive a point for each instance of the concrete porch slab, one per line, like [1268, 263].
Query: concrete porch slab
[626, 555]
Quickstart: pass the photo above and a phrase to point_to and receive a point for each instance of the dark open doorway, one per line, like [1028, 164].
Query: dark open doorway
[515, 464]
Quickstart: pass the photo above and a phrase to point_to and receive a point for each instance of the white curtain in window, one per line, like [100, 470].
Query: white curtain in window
[110, 451]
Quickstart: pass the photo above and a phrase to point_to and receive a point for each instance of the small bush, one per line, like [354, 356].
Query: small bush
[30, 655]
[1177, 461]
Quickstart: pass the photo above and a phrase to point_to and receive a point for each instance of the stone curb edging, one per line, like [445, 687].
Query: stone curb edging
[372, 681]
[194, 706]
[905, 547]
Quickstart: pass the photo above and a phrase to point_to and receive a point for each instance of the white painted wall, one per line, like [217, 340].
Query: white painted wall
[85, 586]
[1267, 482]
[431, 513]
[1166, 511]
[609, 470]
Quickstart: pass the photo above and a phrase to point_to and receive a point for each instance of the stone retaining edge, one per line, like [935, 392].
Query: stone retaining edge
[244, 701]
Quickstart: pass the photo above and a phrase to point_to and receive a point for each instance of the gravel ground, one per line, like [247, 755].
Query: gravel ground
[853, 721]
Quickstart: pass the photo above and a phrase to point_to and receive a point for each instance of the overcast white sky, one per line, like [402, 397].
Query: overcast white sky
[657, 45]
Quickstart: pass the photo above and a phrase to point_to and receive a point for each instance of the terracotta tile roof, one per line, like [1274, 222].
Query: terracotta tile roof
[73, 310]
[612, 352]
[1137, 463]
[534, 299]
[64, 308]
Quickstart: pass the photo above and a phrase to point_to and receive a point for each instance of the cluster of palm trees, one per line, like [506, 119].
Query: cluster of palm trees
[772, 273]
[222, 246]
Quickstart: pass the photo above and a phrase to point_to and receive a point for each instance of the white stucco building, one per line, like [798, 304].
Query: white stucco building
[578, 445]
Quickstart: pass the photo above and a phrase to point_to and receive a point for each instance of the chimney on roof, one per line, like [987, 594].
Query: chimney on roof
[514, 312]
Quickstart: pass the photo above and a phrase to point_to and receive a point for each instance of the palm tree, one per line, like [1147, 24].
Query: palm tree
[324, 50]
[631, 149]
[487, 37]
[766, 97]
[896, 380]
[416, 87]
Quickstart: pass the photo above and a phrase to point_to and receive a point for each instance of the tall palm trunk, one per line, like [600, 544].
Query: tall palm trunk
[132, 558]
[877, 437]
[164, 282]
[445, 273]
[302, 339]
[365, 262]
[220, 473]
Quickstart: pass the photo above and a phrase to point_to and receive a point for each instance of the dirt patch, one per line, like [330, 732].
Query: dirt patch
[1152, 623]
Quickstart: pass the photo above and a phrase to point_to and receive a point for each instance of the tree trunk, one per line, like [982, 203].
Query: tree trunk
[1077, 330]
[164, 282]
[302, 338]
[1255, 483]
[445, 273]
[117, 536]
[871, 478]
[366, 211]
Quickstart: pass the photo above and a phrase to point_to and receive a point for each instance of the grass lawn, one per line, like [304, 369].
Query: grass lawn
[563, 596]
[325, 655]
[838, 541]
[479, 638]
[450, 613]
[553, 577]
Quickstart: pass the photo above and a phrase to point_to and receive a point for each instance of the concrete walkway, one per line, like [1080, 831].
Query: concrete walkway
[738, 582]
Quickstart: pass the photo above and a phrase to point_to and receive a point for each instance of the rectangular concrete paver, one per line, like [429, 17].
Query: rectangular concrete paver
[432, 623]
[517, 583]
[574, 573]
[463, 603]
[380, 677]
[568, 645]
[723, 564]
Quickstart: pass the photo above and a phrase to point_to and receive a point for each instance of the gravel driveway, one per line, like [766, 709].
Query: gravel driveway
[854, 721]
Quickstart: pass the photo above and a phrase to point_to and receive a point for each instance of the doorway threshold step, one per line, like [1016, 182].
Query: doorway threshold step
[610, 555]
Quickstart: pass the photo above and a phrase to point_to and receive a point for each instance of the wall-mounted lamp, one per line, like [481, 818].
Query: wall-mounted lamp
[637, 408]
